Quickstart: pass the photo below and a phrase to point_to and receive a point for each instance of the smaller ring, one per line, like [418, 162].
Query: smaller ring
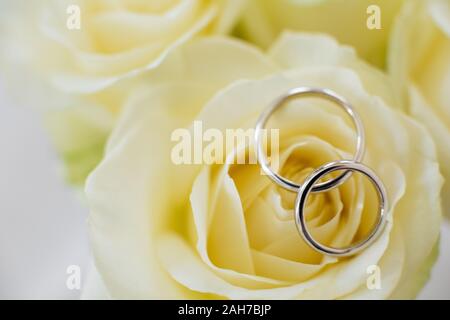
[305, 91]
[305, 190]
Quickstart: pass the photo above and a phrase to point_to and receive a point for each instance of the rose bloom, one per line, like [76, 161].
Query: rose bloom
[160, 230]
[83, 75]
[420, 66]
[346, 20]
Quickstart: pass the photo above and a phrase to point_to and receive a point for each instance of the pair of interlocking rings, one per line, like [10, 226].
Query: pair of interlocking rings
[311, 184]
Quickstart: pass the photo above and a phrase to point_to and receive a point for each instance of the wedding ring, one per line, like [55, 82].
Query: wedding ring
[306, 189]
[305, 91]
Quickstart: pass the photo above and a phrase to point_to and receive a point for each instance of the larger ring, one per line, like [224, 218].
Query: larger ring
[305, 190]
[305, 91]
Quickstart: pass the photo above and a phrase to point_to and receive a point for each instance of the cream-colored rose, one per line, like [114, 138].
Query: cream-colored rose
[420, 66]
[353, 22]
[161, 230]
[113, 40]
[83, 75]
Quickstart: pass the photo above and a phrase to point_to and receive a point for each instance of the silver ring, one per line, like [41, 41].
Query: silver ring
[305, 190]
[305, 91]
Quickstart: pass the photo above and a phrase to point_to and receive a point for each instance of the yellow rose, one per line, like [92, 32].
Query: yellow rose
[113, 40]
[83, 54]
[420, 66]
[161, 230]
[347, 20]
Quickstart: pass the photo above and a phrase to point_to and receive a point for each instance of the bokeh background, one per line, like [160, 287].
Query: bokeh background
[43, 221]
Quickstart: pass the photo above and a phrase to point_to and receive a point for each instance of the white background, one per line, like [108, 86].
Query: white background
[43, 222]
